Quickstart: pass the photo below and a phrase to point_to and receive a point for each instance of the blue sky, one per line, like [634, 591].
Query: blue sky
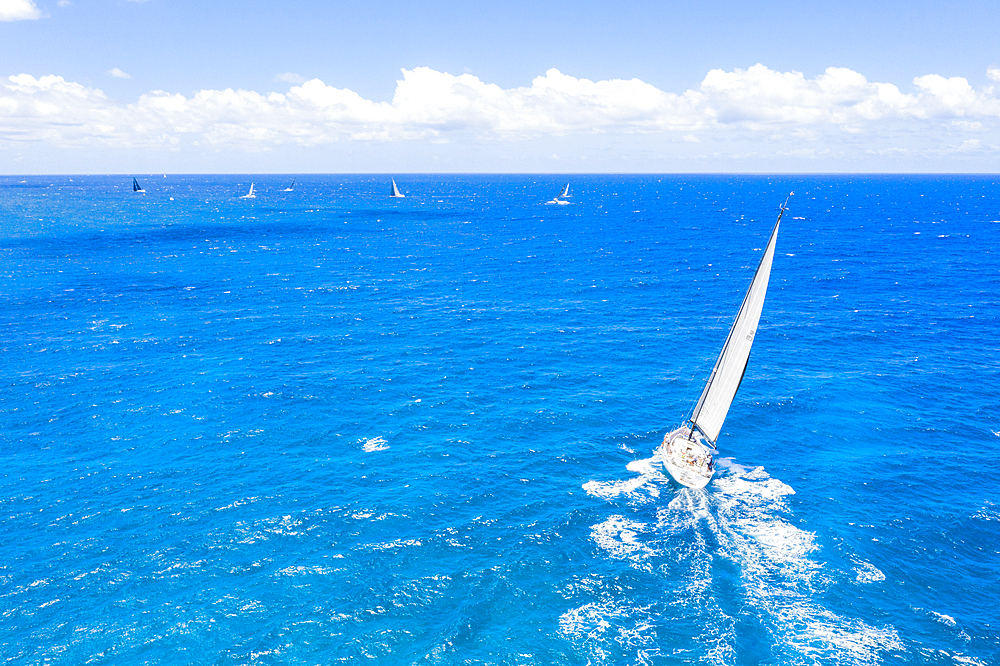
[660, 87]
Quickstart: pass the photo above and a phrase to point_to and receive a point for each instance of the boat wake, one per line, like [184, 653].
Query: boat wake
[729, 578]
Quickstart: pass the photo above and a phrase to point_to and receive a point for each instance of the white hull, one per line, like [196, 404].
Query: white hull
[689, 461]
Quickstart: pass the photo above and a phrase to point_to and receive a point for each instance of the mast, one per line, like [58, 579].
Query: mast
[727, 374]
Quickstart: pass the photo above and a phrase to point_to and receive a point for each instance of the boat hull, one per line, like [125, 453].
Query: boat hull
[687, 459]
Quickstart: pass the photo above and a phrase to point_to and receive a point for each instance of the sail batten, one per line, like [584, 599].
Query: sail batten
[720, 389]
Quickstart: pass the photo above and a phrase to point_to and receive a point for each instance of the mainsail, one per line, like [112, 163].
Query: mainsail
[395, 190]
[713, 405]
[135, 185]
[565, 192]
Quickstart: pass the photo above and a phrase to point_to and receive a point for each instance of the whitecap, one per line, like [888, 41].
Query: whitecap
[375, 444]
[947, 620]
[987, 512]
[867, 572]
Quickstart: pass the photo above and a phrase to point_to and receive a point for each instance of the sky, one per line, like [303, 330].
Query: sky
[220, 86]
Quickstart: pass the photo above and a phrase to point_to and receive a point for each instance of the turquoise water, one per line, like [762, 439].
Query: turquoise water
[327, 426]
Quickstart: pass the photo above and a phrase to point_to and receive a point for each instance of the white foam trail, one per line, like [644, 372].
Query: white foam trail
[610, 629]
[780, 580]
[726, 548]
[617, 535]
[643, 488]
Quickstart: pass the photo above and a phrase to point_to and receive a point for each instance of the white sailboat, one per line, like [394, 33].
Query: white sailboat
[289, 188]
[687, 451]
[136, 187]
[561, 197]
[250, 194]
[395, 191]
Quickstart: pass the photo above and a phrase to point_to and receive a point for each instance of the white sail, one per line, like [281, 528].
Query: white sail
[713, 405]
[565, 192]
[250, 194]
[395, 190]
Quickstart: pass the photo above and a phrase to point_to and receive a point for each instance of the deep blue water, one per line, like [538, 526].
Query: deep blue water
[327, 426]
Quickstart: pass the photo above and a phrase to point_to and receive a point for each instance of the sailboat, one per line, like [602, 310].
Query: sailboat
[136, 187]
[687, 451]
[395, 191]
[561, 197]
[250, 194]
[289, 188]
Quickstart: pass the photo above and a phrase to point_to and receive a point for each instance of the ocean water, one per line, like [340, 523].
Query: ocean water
[327, 426]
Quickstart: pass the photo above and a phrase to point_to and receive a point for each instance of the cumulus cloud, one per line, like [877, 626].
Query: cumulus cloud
[116, 73]
[437, 106]
[19, 10]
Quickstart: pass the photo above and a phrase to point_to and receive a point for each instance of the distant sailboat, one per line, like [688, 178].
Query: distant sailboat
[289, 188]
[395, 191]
[136, 188]
[560, 198]
[684, 451]
[250, 194]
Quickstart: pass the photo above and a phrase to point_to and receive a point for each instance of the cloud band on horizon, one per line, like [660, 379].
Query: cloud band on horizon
[435, 106]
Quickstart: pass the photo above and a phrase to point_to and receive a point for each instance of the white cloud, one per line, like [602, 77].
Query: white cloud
[839, 107]
[290, 77]
[18, 10]
[969, 145]
[116, 73]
